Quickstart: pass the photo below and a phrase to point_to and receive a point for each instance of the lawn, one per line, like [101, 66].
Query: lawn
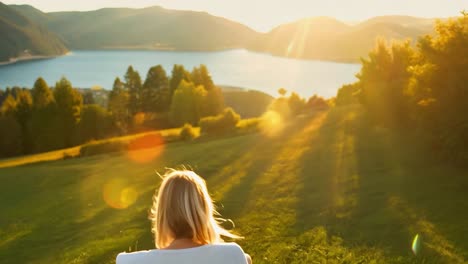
[327, 188]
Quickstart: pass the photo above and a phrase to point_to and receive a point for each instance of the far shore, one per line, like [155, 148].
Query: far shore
[30, 58]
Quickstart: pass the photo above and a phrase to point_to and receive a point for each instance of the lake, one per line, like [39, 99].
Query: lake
[239, 68]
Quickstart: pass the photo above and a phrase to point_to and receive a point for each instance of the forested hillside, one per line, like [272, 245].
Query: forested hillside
[23, 38]
[147, 28]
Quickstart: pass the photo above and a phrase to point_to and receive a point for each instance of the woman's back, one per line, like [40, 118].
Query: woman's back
[185, 228]
[222, 253]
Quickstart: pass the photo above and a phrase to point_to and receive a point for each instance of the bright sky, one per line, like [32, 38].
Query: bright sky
[263, 15]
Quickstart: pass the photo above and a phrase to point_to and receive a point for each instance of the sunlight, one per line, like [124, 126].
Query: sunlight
[297, 45]
[271, 124]
[276, 189]
[146, 148]
[344, 180]
[234, 173]
[118, 195]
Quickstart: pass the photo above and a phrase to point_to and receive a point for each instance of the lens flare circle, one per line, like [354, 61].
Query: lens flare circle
[146, 148]
[118, 194]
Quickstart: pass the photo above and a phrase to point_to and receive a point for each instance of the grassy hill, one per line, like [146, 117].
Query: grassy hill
[329, 188]
[23, 38]
[146, 28]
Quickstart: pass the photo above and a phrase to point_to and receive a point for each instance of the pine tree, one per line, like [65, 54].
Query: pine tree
[42, 95]
[24, 107]
[69, 103]
[178, 74]
[133, 86]
[156, 90]
[118, 105]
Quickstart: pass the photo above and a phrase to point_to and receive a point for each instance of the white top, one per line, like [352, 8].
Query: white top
[223, 253]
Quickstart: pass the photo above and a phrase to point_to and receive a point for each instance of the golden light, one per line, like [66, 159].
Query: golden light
[271, 123]
[118, 194]
[145, 148]
[297, 45]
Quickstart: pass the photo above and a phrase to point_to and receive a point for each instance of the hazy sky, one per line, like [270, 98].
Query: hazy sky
[263, 15]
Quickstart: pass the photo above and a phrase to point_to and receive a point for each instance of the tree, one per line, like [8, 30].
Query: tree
[9, 106]
[156, 90]
[69, 103]
[317, 103]
[178, 74]
[42, 95]
[187, 104]
[201, 76]
[439, 90]
[282, 92]
[214, 102]
[348, 94]
[383, 79]
[95, 123]
[118, 105]
[24, 107]
[2, 96]
[44, 123]
[296, 104]
[88, 98]
[10, 136]
[133, 86]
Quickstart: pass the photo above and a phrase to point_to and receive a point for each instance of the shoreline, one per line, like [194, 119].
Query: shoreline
[30, 58]
[142, 48]
[133, 48]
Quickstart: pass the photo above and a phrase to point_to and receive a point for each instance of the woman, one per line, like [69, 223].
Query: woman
[184, 226]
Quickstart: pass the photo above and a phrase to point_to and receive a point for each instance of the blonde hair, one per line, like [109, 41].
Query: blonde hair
[183, 208]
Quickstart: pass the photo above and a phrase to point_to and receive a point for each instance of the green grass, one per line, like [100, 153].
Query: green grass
[329, 188]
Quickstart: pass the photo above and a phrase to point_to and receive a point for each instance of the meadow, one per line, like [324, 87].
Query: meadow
[329, 187]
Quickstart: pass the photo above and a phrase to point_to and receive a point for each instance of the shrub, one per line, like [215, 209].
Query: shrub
[187, 132]
[95, 148]
[149, 140]
[220, 124]
[249, 125]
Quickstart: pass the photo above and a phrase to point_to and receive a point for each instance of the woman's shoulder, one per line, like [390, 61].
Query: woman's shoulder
[137, 256]
[228, 247]
[228, 250]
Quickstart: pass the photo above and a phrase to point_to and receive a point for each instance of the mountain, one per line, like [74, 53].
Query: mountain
[307, 38]
[320, 38]
[147, 28]
[329, 39]
[22, 38]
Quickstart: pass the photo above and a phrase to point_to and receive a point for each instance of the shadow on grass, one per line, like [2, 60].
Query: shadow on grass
[350, 175]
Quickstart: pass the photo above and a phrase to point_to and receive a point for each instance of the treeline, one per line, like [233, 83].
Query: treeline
[46, 118]
[424, 89]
